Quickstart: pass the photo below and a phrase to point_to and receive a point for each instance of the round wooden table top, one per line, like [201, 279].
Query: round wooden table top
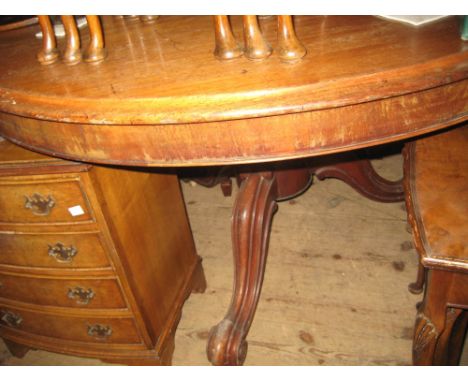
[160, 98]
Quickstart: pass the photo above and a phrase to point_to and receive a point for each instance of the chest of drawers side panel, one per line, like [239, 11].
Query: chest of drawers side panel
[148, 222]
[114, 253]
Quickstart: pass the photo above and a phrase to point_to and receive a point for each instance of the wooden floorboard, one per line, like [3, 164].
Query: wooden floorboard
[335, 288]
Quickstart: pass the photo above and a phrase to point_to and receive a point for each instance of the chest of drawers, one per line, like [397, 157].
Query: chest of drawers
[94, 261]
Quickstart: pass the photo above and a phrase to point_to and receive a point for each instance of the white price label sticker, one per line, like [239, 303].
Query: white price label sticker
[76, 211]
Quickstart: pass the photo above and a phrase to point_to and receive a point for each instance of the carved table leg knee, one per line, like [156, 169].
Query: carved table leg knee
[252, 216]
[360, 175]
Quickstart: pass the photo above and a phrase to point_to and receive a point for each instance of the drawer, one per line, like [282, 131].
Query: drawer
[61, 250]
[85, 329]
[42, 199]
[76, 293]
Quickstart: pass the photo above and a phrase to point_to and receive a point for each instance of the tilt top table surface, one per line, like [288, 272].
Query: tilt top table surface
[160, 98]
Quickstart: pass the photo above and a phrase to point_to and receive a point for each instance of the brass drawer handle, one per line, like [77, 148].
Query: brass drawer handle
[10, 319]
[99, 331]
[61, 253]
[81, 296]
[39, 205]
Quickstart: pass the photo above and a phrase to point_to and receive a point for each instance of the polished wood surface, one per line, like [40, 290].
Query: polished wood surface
[436, 190]
[107, 282]
[161, 99]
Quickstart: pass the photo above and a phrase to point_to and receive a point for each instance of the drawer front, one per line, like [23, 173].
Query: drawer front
[83, 250]
[43, 200]
[84, 329]
[74, 293]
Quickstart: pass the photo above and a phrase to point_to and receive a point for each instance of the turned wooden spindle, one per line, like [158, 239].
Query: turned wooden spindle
[290, 49]
[95, 52]
[72, 53]
[256, 47]
[148, 19]
[226, 46]
[49, 53]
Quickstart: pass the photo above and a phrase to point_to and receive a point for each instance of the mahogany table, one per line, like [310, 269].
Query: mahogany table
[161, 99]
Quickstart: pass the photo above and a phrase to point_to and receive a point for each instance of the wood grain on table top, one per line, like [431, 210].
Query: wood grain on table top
[166, 72]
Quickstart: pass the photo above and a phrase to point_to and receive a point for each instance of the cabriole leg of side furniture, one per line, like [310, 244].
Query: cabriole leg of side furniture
[252, 216]
[435, 320]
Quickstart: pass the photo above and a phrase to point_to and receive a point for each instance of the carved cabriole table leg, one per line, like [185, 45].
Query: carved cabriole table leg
[252, 215]
[251, 219]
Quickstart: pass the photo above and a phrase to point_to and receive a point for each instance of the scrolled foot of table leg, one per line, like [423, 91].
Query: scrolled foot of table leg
[227, 344]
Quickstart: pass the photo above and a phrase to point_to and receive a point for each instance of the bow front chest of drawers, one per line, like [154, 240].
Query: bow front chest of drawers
[94, 261]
